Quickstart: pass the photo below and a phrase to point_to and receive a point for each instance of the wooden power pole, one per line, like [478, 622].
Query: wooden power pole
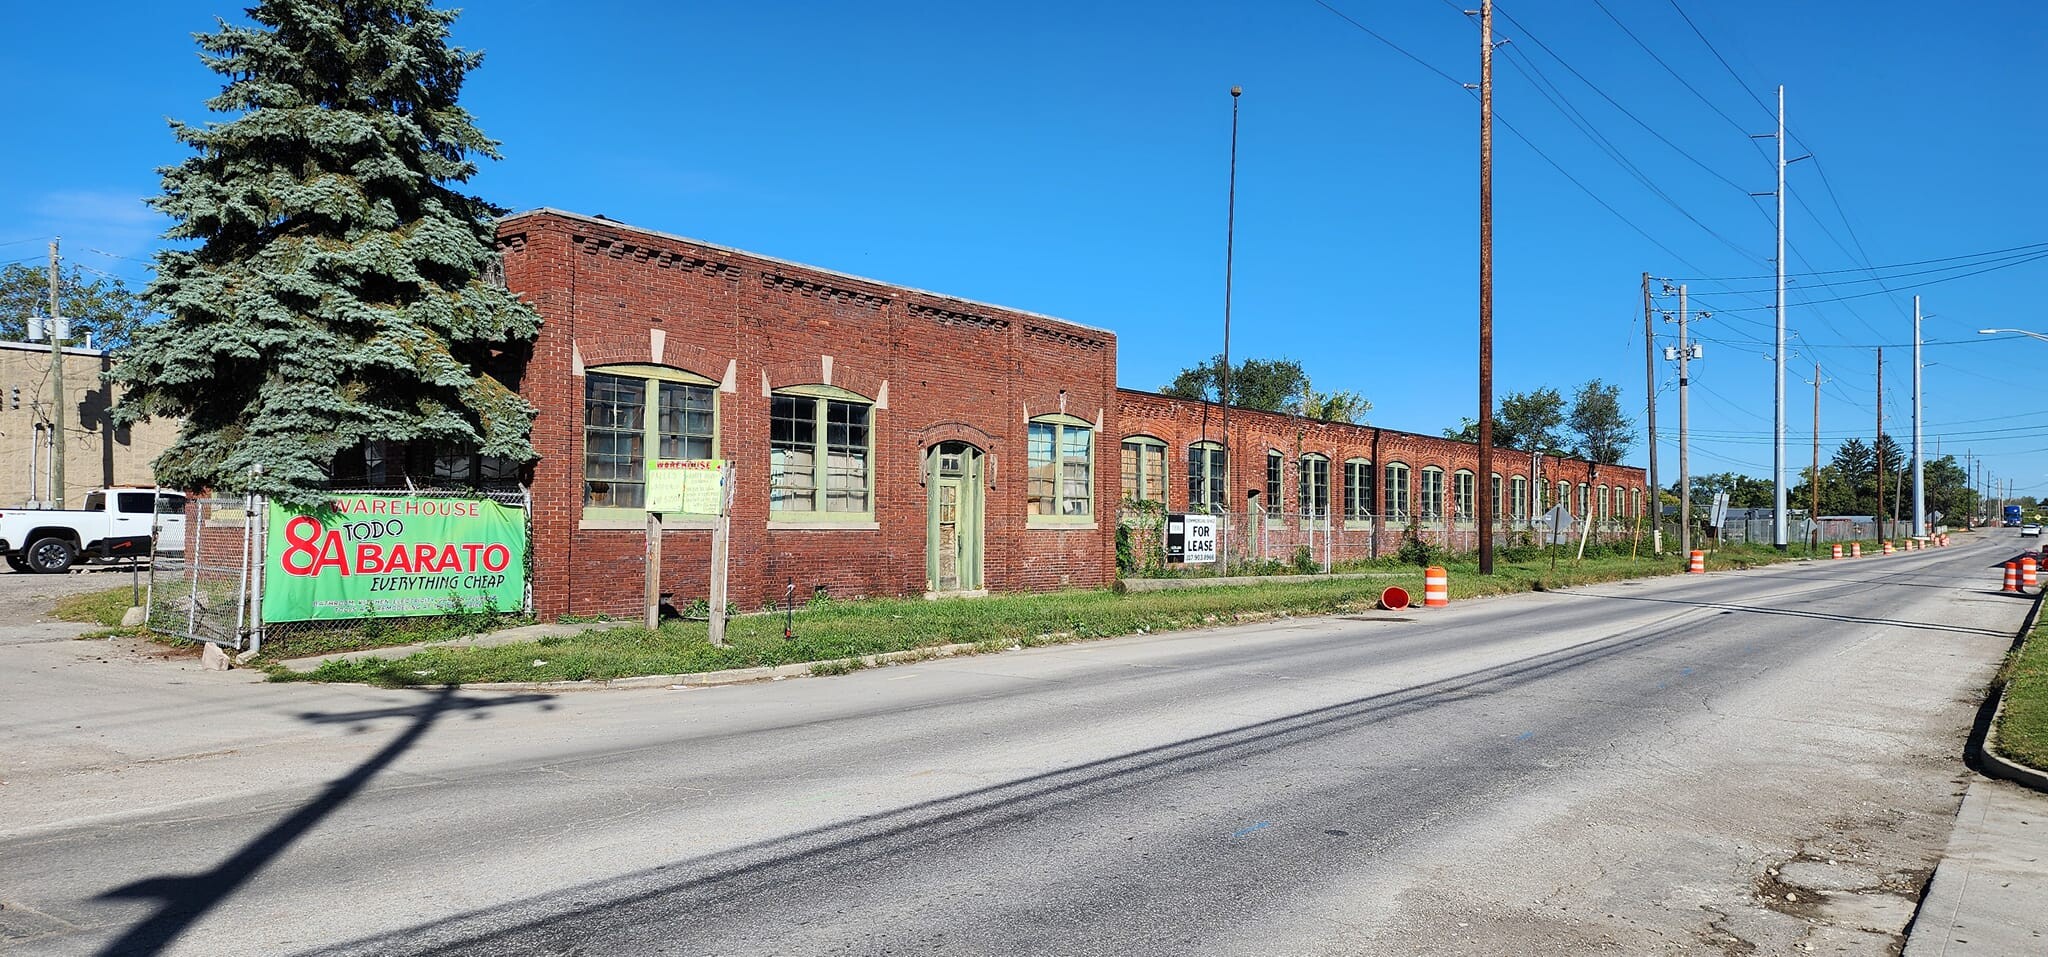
[1485, 478]
[57, 443]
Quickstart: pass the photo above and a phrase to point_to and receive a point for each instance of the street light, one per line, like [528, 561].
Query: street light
[2021, 332]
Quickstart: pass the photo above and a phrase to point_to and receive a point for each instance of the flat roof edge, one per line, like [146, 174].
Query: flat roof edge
[677, 237]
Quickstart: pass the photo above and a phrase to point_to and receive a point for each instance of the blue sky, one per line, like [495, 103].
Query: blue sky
[1071, 158]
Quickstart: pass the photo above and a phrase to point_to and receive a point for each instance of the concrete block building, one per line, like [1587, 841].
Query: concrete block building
[96, 452]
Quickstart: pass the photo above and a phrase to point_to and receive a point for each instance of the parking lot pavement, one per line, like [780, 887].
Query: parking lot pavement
[26, 600]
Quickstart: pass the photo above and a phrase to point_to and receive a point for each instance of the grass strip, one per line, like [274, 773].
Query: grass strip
[103, 608]
[2023, 724]
[834, 633]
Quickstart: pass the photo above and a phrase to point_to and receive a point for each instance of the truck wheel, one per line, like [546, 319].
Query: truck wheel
[51, 556]
[17, 563]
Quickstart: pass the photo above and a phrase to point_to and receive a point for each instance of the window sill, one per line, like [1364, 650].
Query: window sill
[799, 525]
[616, 524]
[1035, 522]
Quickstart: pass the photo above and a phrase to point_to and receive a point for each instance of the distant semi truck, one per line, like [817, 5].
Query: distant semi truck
[2012, 516]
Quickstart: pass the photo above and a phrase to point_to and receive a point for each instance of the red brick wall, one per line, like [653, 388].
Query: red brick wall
[950, 369]
[1181, 423]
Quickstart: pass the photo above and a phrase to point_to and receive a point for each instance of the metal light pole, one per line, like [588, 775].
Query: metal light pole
[1919, 456]
[1778, 435]
[1229, 256]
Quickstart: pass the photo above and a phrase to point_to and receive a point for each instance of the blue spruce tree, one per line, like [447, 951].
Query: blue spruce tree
[335, 288]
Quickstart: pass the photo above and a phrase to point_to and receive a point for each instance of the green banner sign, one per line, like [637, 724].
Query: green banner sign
[390, 556]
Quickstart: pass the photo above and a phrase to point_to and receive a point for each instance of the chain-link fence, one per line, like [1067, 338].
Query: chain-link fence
[1315, 543]
[213, 591]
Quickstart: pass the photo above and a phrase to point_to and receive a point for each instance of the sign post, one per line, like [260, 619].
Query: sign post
[699, 487]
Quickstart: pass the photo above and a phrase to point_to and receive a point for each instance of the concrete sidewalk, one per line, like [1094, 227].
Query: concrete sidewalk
[1987, 896]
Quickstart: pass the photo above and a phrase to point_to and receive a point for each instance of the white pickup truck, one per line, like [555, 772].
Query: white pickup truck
[116, 524]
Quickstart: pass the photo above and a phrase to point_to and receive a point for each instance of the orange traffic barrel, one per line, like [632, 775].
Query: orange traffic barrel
[1835, 550]
[1436, 587]
[2028, 572]
[1887, 546]
[1698, 563]
[2012, 577]
[1855, 549]
[1393, 598]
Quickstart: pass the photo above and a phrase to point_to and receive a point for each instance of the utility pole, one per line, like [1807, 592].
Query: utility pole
[1877, 456]
[1229, 255]
[1650, 397]
[1486, 285]
[1919, 466]
[1684, 420]
[1778, 360]
[1813, 481]
[57, 331]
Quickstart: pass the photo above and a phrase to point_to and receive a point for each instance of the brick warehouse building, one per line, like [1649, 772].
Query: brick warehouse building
[891, 441]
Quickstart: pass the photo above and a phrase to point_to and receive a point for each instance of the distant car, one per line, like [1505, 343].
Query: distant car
[2030, 529]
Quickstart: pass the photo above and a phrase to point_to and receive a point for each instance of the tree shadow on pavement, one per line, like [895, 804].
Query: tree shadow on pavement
[185, 898]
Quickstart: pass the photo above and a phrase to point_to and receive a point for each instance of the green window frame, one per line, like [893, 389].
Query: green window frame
[630, 408]
[1358, 490]
[1585, 501]
[1635, 501]
[1606, 509]
[821, 455]
[1144, 469]
[1276, 472]
[1060, 470]
[1499, 516]
[1518, 488]
[1315, 488]
[1564, 494]
[1464, 495]
[1206, 478]
[1431, 506]
[1397, 492]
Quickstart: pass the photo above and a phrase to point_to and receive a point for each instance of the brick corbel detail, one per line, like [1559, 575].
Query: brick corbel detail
[605, 349]
[854, 377]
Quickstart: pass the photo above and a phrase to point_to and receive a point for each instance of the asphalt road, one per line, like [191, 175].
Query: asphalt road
[1754, 762]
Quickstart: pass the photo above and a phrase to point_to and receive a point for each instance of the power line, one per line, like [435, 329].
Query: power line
[1918, 262]
[1880, 292]
[1425, 64]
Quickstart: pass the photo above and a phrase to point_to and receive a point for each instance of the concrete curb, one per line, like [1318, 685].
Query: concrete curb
[1171, 584]
[731, 676]
[1991, 762]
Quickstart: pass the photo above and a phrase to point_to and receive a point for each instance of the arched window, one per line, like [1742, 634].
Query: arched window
[1358, 490]
[1464, 497]
[1564, 495]
[1397, 492]
[1144, 463]
[1518, 488]
[1635, 501]
[1431, 494]
[1060, 469]
[1585, 501]
[1498, 515]
[820, 451]
[1276, 470]
[629, 410]
[1315, 487]
[1205, 477]
[1606, 513]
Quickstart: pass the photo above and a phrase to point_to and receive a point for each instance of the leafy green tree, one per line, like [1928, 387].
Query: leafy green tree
[1339, 406]
[1604, 432]
[1529, 421]
[1268, 385]
[1743, 491]
[335, 290]
[102, 306]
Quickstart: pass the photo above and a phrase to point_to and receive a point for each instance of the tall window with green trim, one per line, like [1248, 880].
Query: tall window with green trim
[1144, 462]
[1397, 492]
[627, 409]
[1205, 478]
[1315, 487]
[1499, 516]
[1518, 488]
[1276, 467]
[820, 454]
[1357, 490]
[1464, 495]
[1432, 494]
[1060, 468]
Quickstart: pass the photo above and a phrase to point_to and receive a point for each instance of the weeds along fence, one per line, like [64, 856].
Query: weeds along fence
[213, 590]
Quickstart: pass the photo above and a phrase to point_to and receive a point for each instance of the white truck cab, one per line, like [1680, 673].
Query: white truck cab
[116, 524]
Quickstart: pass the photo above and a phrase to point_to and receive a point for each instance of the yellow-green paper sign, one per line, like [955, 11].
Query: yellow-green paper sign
[686, 486]
[391, 556]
